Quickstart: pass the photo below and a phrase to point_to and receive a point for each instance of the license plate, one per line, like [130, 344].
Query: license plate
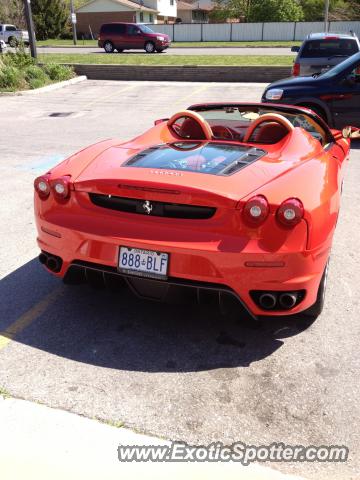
[144, 263]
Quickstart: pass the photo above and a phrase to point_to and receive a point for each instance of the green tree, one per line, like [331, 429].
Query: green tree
[275, 11]
[50, 17]
[229, 9]
[338, 10]
[12, 11]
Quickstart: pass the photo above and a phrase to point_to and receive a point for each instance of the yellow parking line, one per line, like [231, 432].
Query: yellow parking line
[112, 94]
[194, 92]
[28, 317]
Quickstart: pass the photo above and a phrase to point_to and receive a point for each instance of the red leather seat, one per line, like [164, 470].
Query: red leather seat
[269, 133]
[191, 129]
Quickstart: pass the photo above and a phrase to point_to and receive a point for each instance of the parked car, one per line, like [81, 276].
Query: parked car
[219, 202]
[131, 36]
[321, 51]
[11, 35]
[3, 46]
[334, 95]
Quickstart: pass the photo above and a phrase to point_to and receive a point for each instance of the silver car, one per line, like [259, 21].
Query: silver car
[3, 46]
[321, 51]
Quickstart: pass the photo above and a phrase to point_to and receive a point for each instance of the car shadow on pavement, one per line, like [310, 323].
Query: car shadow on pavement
[118, 330]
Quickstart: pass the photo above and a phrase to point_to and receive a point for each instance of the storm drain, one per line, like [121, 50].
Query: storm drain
[61, 114]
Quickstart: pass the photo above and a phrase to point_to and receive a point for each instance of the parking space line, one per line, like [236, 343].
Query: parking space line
[28, 317]
[194, 92]
[112, 94]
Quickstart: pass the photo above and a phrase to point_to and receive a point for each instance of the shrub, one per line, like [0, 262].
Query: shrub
[18, 71]
[35, 76]
[11, 78]
[19, 59]
[58, 72]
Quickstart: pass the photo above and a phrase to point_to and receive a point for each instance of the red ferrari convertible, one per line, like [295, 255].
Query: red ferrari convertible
[220, 201]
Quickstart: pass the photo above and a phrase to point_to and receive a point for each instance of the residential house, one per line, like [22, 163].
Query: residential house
[93, 14]
[192, 12]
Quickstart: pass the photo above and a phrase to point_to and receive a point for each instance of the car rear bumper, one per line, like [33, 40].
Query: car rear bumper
[238, 271]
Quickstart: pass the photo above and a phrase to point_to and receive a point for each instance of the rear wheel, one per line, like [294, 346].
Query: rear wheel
[315, 310]
[149, 47]
[108, 47]
[159, 50]
[13, 42]
[120, 50]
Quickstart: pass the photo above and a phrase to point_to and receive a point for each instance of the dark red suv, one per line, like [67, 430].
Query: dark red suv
[130, 36]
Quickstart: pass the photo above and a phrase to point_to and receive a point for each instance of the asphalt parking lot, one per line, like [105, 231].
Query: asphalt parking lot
[176, 372]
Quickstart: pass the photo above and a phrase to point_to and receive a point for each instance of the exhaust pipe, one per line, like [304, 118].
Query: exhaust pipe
[267, 301]
[43, 258]
[287, 300]
[53, 264]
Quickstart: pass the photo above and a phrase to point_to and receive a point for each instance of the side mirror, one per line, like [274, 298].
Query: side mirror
[351, 132]
[295, 48]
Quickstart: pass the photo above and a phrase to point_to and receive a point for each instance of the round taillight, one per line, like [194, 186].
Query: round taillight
[256, 210]
[290, 212]
[42, 186]
[61, 187]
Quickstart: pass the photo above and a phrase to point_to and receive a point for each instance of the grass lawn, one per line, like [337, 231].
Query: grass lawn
[157, 59]
[93, 43]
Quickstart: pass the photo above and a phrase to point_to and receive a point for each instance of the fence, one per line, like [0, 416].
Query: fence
[231, 32]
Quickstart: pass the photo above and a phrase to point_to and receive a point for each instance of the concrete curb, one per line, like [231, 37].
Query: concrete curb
[187, 73]
[48, 88]
[38, 442]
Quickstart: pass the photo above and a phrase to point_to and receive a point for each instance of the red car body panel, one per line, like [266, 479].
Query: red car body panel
[220, 250]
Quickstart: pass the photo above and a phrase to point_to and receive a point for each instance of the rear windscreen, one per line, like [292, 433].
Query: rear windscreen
[329, 48]
[202, 157]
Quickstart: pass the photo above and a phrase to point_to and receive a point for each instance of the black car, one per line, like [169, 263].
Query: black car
[334, 95]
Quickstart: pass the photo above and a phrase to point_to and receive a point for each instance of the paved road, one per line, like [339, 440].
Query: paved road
[179, 51]
[180, 373]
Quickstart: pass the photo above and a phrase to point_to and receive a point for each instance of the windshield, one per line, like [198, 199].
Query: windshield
[349, 62]
[145, 29]
[329, 48]
[237, 119]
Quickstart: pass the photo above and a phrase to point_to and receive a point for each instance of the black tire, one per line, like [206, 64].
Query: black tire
[109, 47]
[160, 50]
[13, 42]
[315, 310]
[149, 47]
[120, 50]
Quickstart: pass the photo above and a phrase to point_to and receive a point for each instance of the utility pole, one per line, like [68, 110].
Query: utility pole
[73, 21]
[326, 18]
[30, 27]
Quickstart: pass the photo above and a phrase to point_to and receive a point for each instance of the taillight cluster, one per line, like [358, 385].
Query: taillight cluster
[60, 187]
[257, 209]
[295, 70]
[290, 212]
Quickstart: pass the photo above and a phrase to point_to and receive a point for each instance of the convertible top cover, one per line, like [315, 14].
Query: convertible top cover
[203, 157]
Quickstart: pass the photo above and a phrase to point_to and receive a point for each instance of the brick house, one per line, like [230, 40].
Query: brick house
[93, 14]
[192, 12]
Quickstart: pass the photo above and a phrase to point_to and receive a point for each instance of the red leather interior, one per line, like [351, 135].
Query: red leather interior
[191, 129]
[269, 133]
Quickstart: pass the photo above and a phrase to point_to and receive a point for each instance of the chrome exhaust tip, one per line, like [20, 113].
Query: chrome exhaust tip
[267, 301]
[43, 258]
[288, 300]
[53, 264]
